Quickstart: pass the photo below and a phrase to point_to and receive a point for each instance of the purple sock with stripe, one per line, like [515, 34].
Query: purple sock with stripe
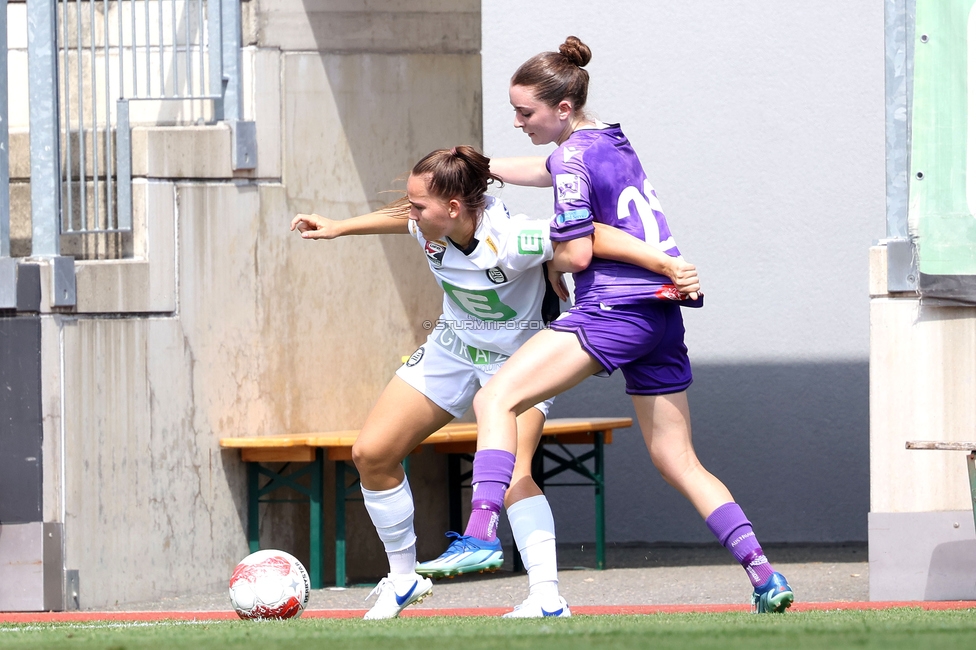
[491, 474]
[729, 525]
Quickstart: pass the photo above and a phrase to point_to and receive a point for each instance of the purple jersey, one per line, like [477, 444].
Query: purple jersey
[596, 175]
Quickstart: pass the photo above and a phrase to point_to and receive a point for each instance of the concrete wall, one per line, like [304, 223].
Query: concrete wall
[224, 323]
[922, 538]
[761, 126]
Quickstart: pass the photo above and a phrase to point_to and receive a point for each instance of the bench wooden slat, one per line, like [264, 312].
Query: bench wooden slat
[570, 425]
[339, 453]
[578, 438]
[341, 439]
[455, 432]
[940, 445]
[301, 454]
[457, 447]
[276, 440]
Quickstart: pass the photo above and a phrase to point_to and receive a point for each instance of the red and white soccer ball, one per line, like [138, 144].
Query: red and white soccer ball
[269, 584]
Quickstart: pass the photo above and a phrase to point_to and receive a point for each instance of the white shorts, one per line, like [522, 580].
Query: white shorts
[448, 372]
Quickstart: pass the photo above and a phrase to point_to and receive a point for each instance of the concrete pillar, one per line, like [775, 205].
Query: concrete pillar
[921, 534]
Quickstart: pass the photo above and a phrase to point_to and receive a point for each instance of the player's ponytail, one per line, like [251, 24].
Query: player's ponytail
[461, 173]
[555, 76]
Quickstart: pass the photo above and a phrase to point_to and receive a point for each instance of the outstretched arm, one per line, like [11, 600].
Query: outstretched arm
[615, 244]
[530, 171]
[388, 220]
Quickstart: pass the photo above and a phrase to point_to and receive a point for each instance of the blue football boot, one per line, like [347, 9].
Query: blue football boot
[466, 554]
[773, 596]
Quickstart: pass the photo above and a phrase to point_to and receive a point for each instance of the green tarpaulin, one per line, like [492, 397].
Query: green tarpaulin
[942, 184]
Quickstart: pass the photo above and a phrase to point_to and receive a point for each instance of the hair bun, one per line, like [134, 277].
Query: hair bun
[576, 51]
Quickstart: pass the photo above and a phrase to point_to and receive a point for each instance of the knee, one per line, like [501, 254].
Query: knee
[368, 458]
[488, 401]
[481, 404]
[674, 468]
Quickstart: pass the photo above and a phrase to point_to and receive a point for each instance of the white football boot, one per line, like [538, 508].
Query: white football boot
[395, 592]
[535, 607]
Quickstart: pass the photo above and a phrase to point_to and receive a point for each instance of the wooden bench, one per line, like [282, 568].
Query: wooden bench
[953, 446]
[457, 440]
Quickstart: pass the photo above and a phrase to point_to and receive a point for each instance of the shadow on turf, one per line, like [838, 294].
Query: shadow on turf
[642, 555]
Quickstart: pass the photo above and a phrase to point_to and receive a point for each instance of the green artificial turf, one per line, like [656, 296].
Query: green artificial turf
[885, 630]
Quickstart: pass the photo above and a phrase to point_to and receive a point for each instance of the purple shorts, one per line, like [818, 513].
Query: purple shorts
[645, 340]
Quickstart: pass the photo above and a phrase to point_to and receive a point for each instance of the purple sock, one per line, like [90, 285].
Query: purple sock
[491, 474]
[729, 524]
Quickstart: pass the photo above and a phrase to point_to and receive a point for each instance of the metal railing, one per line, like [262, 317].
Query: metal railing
[170, 54]
[179, 60]
[901, 251]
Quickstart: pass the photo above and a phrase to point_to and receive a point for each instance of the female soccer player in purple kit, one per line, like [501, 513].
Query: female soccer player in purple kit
[624, 316]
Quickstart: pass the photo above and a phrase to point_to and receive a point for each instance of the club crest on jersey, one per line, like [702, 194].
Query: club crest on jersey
[415, 358]
[435, 252]
[568, 187]
[496, 275]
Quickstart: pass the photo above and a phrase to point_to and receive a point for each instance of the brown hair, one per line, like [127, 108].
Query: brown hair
[555, 76]
[462, 173]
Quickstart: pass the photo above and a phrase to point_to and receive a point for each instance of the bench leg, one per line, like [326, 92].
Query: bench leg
[253, 513]
[972, 480]
[316, 567]
[600, 515]
[454, 492]
[340, 522]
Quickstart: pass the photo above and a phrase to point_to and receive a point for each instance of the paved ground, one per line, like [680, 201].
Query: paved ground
[636, 575]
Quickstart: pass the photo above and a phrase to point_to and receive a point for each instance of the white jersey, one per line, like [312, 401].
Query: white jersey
[492, 296]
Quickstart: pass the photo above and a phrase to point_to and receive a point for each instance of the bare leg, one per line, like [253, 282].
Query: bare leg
[666, 425]
[529, 433]
[519, 384]
[401, 419]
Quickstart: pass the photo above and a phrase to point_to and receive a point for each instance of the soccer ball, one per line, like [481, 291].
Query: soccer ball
[269, 584]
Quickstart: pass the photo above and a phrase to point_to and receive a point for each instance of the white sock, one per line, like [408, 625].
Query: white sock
[392, 513]
[535, 535]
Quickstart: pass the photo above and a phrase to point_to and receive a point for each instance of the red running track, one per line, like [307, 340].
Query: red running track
[596, 610]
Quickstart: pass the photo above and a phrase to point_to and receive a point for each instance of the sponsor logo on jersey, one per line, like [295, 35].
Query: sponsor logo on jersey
[531, 242]
[491, 244]
[448, 340]
[415, 358]
[496, 275]
[567, 187]
[435, 252]
[668, 292]
[480, 303]
[572, 215]
[569, 153]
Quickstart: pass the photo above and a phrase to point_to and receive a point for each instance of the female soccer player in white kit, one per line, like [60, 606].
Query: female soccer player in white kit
[488, 264]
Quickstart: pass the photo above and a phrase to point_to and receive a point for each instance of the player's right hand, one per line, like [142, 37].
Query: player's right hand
[314, 226]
